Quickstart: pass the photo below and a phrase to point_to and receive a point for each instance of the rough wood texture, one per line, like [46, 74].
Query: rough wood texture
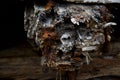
[23, 68]
[29, 68]
[20, 67]
[98, 68]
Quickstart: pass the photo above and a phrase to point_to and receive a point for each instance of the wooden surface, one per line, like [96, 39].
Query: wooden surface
[23, 68]
[22, 63]
[94, 1]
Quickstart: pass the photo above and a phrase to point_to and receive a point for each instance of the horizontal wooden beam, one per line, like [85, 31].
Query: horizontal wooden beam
[21, 63]
[94, 1]
[25, 68]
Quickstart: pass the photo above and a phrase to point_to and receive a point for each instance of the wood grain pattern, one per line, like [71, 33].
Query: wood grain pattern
[20, 67]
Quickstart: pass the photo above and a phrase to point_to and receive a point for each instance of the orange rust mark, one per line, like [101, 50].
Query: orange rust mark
[48, 34]
[49, 5]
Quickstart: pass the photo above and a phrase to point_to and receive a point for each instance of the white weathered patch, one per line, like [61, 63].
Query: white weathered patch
[95, 43]
[61, 10]
[89, 48]
[100, 38]
[67, 41]
[89, 37]
[65, 36]
[109, 24]
[73, 20]
[102, 1]
[63, 63]
[38, 8]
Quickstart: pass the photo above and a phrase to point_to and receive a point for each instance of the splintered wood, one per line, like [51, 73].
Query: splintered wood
[60, 31]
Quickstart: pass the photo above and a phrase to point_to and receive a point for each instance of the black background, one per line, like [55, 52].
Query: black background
[11, 23]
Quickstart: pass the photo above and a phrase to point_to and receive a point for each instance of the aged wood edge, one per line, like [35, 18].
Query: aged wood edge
[29, 68]
[93, 1]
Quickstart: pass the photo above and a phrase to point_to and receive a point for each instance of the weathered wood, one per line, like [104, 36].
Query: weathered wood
[26, 66]
[23, 68]
[29, 68]
[21, 50]
[98, 68]
[94, 1]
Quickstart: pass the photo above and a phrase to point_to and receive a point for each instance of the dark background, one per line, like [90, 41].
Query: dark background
[12, 21]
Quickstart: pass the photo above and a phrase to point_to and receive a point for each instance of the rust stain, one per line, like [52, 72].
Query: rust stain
[49, 5]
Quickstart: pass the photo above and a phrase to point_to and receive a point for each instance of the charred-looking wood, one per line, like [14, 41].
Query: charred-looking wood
[69, 35]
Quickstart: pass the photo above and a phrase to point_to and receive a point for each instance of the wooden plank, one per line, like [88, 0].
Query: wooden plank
[21, 50]
[94, 1]
[30, 68]
[24, 64]
[98, 68]
[23, 68]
